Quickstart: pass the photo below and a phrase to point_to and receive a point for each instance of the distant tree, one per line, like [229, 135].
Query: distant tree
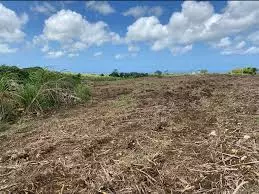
[158, 72]
[115, 73]
[203, 71]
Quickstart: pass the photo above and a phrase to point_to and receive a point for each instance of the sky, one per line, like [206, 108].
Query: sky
[142, 36]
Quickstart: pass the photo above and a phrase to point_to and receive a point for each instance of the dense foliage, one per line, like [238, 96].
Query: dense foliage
[34, 90]
[116, 73]
[246, 70]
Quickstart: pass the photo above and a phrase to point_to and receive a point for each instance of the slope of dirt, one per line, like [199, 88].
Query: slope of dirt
[184, 134]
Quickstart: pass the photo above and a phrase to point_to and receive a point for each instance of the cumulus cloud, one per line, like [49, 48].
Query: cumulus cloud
[140, 11]
[78, 35]
[197, 22]
[146, 29]
[11, 25]
[55, 54]
[44, 8]
[178, 50]
[4, 49]
[235, 46]
[244, 51]
[10, 29]
[102, 7]
[223, 43]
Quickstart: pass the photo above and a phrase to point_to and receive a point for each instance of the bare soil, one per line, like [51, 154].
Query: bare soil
[182, 134]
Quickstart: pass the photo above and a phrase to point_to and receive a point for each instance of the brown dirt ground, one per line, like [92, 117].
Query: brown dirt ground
[182, 134]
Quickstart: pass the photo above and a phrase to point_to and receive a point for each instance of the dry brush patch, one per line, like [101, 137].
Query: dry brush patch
[187, 134]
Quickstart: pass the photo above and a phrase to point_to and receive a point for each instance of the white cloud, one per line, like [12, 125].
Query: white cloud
[103, 7]
[198, 22]
[44, 8]
[246, 51]
[97, 54]
[252, 50]
[11, 29]
[4, 49]
[11, 25]
[241, 45]
[140, 11]
[235, 47]
[178, 50]
[224, 42]
[78, 35]
[55, 54]
[146, 29]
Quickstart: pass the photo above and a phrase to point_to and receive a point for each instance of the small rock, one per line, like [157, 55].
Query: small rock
[246, 137]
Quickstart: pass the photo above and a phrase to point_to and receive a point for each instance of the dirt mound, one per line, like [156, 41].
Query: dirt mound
[184, 134]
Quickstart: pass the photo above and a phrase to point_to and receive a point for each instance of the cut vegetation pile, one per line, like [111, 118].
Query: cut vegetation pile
[183, 134]
[34, 90]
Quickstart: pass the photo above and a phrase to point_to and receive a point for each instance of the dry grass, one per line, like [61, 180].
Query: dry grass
[187, 134]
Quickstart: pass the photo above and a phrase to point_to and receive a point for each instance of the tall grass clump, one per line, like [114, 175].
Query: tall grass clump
[38, 90]
[7, 103]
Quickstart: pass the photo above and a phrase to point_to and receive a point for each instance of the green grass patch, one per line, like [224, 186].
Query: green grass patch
[33, 90]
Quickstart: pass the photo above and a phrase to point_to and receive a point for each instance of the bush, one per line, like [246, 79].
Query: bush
[246, 70]
[36, 90]
[250, 70]
[83, 92]
[203, 71]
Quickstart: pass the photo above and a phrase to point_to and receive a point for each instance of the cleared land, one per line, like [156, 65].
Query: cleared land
[183, 134]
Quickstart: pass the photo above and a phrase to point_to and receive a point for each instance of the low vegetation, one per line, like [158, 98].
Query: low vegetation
[34, 90]
[116, 73]
[244, 71]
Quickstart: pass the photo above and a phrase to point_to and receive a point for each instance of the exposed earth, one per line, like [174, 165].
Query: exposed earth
[182, 134]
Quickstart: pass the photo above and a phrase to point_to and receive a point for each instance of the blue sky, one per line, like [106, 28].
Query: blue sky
[97, 37]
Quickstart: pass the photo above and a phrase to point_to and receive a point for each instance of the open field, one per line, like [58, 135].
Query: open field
[182, 134]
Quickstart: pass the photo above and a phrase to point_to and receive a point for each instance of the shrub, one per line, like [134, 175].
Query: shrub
[82, 92]
[37, 90]
[246, 70]
[203, 71]
[250, 70]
